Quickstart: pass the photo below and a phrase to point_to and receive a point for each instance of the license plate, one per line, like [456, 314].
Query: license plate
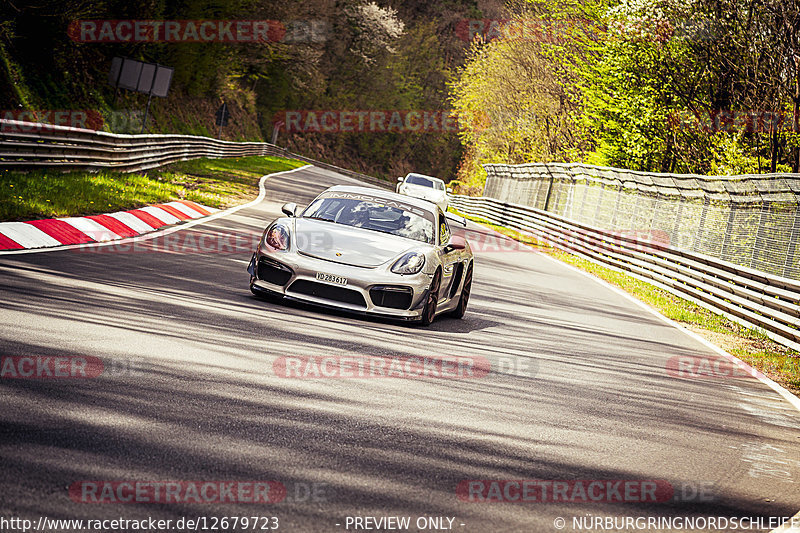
[330, 278]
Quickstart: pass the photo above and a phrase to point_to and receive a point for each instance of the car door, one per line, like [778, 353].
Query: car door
[448, 257]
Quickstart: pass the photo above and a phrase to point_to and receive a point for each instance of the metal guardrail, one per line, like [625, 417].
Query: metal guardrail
[749, 220]
[747, 296]
[27, 145]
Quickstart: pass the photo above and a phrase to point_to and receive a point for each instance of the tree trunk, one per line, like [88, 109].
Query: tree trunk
[796, 122]
[665, 161]
[774, 147]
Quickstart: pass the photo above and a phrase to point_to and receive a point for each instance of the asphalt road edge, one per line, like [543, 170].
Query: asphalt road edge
[788, 396]
[788, 527]
[792, 526]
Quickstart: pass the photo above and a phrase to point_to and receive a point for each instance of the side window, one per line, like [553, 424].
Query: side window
[444, 230]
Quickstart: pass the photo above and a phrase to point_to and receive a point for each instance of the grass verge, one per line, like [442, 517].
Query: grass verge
[216, 183]
[774, 360]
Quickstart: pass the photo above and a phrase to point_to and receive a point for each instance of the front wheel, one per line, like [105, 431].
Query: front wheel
[429, 312]
[461, 308]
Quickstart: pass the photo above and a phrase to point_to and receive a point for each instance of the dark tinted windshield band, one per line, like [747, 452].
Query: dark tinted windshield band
[384, 201]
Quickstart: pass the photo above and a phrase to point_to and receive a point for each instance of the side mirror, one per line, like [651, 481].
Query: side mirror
[457, 242]
[455, 218]
[289, 209]
[401, 178]
[450, 190]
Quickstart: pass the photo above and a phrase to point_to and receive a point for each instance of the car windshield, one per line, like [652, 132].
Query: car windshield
[416, 179]
[374, 213]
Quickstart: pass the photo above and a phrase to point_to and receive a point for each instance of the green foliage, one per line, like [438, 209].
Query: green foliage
[369, 58]
[613, 89]
[519, 97]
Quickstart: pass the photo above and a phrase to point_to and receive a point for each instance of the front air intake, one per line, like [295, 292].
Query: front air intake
[328, 292]
[392, 296]
[273, 272]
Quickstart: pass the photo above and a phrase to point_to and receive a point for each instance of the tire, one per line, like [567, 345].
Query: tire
[429, 311]
[463, 300]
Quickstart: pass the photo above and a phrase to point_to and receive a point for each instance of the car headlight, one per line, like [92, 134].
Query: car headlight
[410, 263]
[277, 237]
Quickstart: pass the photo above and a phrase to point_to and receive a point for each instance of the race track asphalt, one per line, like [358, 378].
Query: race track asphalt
[189, 393]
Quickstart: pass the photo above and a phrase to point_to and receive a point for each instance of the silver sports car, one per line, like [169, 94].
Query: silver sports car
[368, 251]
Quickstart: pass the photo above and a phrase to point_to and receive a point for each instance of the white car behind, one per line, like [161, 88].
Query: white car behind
[424, 187]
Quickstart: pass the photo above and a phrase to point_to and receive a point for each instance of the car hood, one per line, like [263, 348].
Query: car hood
[348, 245]
[426, 193]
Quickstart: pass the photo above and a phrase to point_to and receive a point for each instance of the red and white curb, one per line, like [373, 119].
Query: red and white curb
[97, 228]
[134, 220]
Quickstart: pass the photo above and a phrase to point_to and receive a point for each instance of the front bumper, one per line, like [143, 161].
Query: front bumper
[294, 276]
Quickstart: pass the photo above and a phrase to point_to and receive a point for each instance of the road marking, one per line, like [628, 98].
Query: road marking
[788, 396]
[180, 215]
[147, 218]
[764, 461]
[203, 210]
[8, 244]
[61, 231]
[132, 221]
[91, 228]
[160, 214]
[27, 235]
[790, 526]
[114, 225]
[185, 209]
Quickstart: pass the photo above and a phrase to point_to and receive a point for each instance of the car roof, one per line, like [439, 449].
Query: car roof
[382, 193]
